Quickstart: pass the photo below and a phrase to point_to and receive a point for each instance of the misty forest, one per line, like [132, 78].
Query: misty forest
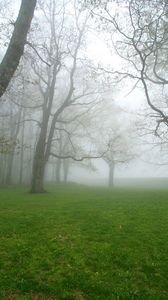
[83, 149]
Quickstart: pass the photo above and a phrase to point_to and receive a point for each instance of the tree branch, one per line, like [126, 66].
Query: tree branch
[17, 42]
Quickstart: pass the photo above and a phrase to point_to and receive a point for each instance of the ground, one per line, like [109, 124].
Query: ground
[84, 243]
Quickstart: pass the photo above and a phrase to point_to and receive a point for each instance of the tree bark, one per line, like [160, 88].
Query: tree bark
[39, 163]
[22, 152]
[40, 160]
[37, 184]
[59, 162]
[17, 42]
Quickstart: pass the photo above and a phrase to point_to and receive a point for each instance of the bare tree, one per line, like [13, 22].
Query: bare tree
[119, 153]
[16, 45]
[142, 43]
[15, 135]
[60, 81]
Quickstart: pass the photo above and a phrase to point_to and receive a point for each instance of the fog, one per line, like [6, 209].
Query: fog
[88, 102]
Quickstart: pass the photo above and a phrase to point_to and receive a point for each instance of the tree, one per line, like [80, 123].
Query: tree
[142, 42]
[118, 142]
[16, 45]
[17, 130]
[119, 152]
[61, 80]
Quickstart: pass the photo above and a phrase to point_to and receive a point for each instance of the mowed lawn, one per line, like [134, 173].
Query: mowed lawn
[84, 243]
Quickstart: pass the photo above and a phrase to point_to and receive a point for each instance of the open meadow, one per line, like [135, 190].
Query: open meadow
[84, 243]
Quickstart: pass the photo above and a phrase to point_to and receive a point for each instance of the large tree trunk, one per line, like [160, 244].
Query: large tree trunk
[59, 162]
[111, 174]
[37, 184]
[39, 163]
[15, 49]
[40, 159]
[22, 153]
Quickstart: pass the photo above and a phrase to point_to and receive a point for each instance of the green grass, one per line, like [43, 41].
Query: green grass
[84, 243]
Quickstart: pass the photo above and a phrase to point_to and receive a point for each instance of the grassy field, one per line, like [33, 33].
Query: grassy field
[84, 243]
